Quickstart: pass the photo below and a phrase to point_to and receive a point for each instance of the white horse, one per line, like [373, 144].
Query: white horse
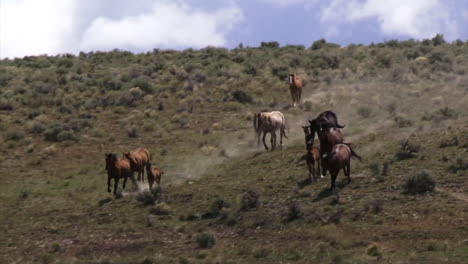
[269, 122]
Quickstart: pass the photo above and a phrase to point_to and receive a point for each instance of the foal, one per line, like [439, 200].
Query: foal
[312, 154]
[154, 174]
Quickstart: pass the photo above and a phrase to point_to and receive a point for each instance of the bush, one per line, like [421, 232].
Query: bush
[206, 240]
[271, 44]
[57, 133]
[459, 165]
[448, 142]
[419, 183]
[373, 250]
[145, 198]
[132, 132]
[294, 211]
[249, 200]
[14, 135]
[364, 111]
[161, 209]
[242, 97]
[407, 150]
[6, 105]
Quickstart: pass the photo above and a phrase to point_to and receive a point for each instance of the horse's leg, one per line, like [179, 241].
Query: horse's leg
[348, 171]
[124, 181]
[273, 140]
[299, 93]
[319, 168]
[143, 173]
[116, 184]
[293, 96]
[263, 139]
[108, 184]
[132, 177]
[333, 175]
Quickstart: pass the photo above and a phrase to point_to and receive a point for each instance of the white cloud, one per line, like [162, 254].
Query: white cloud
[35, 27]
[168, 24]
[282, 3]
[32, 27]
[415, 18]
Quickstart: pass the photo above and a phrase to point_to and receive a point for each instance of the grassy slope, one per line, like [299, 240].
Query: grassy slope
[55, 206]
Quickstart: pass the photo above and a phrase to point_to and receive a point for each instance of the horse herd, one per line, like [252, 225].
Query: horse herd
[333, 155]
[134, 161]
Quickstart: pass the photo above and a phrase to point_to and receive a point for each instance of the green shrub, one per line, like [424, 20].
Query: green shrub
[145, 198]
[407, 150]
[419, 183]
[459, 165]
[205, 240]
[364, 111]
[249, 200]
[293, 212]
[14, 135]
[242, 97]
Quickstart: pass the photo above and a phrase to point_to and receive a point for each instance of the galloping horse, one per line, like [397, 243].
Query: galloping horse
[328, 119]
[139, 159]
[117, 169]
[295, 86]
[334, 153]
[339, 158]
[154, 174]
[312, 155]
[269, 122]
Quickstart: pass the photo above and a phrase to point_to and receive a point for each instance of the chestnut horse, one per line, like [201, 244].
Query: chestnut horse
[139, 159]
[154, 174]
[269, 122]
[117, 169]
[312, 155]
[295, 86]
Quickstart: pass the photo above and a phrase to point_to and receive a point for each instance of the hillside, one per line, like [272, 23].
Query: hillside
[193, 110]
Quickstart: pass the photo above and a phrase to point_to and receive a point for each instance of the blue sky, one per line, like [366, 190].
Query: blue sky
[33, 27]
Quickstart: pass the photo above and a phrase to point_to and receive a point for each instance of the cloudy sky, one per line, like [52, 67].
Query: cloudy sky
[33, 27]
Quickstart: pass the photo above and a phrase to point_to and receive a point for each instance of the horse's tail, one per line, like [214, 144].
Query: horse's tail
[353, 153]
[283, 130]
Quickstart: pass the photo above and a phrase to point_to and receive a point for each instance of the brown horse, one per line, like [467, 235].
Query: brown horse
[312, 155]
[339, 158]
[269, 122]
[139, 159]
[330, 139]
[154, 174]
[295, 86]
[118, 169]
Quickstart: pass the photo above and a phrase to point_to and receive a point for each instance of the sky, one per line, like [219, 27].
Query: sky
[36, 27]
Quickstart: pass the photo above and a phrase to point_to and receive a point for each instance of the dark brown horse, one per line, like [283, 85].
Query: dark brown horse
[339, 158]
[118, 169]
[327, 119]
[139, 159]
[329, 139]
[295, 86]
[312, 156]
[154, 175]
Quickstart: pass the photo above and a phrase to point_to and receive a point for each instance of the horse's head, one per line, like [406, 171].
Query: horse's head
[110, 160]
[130, 158]
[291, 78]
